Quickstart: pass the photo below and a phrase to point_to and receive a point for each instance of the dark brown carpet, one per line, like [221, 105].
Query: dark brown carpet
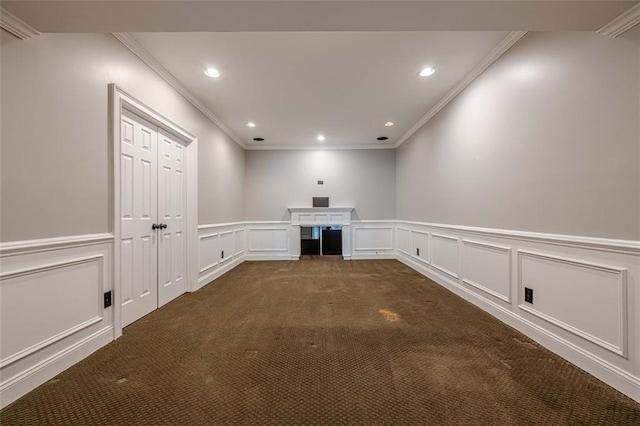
[322, 343]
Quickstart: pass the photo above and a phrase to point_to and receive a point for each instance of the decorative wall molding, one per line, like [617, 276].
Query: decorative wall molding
[608, 372]
[27, 380]
[16, 26]
[41, 277]
[132, 44]
[621, 281]
[622, 23]
[442, 255]
[511, 39]
[594, 243]
[55, 243]
[485, 287]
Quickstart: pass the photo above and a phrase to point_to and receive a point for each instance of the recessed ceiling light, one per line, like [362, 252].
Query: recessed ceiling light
[258, 139]
[425, 72]
[212, 72]
[388, 124]
[320, 138]
[382, 138]
[251, 124]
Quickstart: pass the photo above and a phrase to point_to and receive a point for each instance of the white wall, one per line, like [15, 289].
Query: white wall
[364, 179]
[57, 245]
[547, 140]
[55, 155]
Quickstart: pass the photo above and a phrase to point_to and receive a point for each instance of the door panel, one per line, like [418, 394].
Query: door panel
[171, 208]
[138, 201]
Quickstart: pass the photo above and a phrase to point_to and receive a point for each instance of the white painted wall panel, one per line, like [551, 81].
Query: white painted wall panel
[487, 267]
[372, 239]
[45, 302]
[404, 240]
[209, 251]
[444, 254]
[268, 239]
[239, 241]
[598, 292]
[420, 245]
[227, 245]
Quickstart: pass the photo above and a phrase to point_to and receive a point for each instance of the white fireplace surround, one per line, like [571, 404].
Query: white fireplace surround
[320, 216]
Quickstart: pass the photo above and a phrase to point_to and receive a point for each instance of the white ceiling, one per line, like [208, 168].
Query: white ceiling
[296, 85]
[298, 68]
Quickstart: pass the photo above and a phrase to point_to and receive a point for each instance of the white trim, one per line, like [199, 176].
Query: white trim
[622, 23]
[132, 44]
[375, 249]
[221, 225]
[596, 366]
[16, 26]
[119, 100]
[602, 244]
[217, 273]
[510, 40]
[622, 302]
[504, 249]
[315, 147]
[27, 380]
[56, 243]
[50, 341]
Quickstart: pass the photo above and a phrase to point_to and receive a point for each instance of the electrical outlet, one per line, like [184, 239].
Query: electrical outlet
[107, 299]
[528, 295]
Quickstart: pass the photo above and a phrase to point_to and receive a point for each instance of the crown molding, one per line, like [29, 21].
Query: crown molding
[622, 23]
[16, 26]
[318, 146]
[130, 43]
[486, 62]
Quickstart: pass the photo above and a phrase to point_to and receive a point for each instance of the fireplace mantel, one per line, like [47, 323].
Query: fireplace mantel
[321, 216]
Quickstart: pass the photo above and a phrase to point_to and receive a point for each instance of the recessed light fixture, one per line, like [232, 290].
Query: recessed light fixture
[212, 72]
[258, 139]
[382, 138]
[388, 124]
[320, 138]
[251, 124]
[425, 72]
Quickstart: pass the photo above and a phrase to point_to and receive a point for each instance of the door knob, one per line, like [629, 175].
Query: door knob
[163, 225]
[154, 226]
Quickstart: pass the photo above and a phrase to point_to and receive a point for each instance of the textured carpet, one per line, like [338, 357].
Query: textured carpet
[322, 343]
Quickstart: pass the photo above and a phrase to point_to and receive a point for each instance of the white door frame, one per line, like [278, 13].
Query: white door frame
[119, 99]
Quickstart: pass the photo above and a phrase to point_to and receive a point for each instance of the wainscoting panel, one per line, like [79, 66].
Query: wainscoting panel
[404, 240]
[487, 267]
[444, 254]
[209, 251]
[600, 291]
[586, 291]
[268, 241]
[227, 245]
[51, 307]
[221, 249]
[372, 240]
[239, 235]
[420, 246]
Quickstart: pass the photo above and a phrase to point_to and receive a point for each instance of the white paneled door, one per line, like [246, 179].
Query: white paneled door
[152, 206]
[171, 211]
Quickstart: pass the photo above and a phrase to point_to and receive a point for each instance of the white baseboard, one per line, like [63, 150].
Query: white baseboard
[267, 256]
[372, 256]
[219, 271]
[26, 381]
[608, 373]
